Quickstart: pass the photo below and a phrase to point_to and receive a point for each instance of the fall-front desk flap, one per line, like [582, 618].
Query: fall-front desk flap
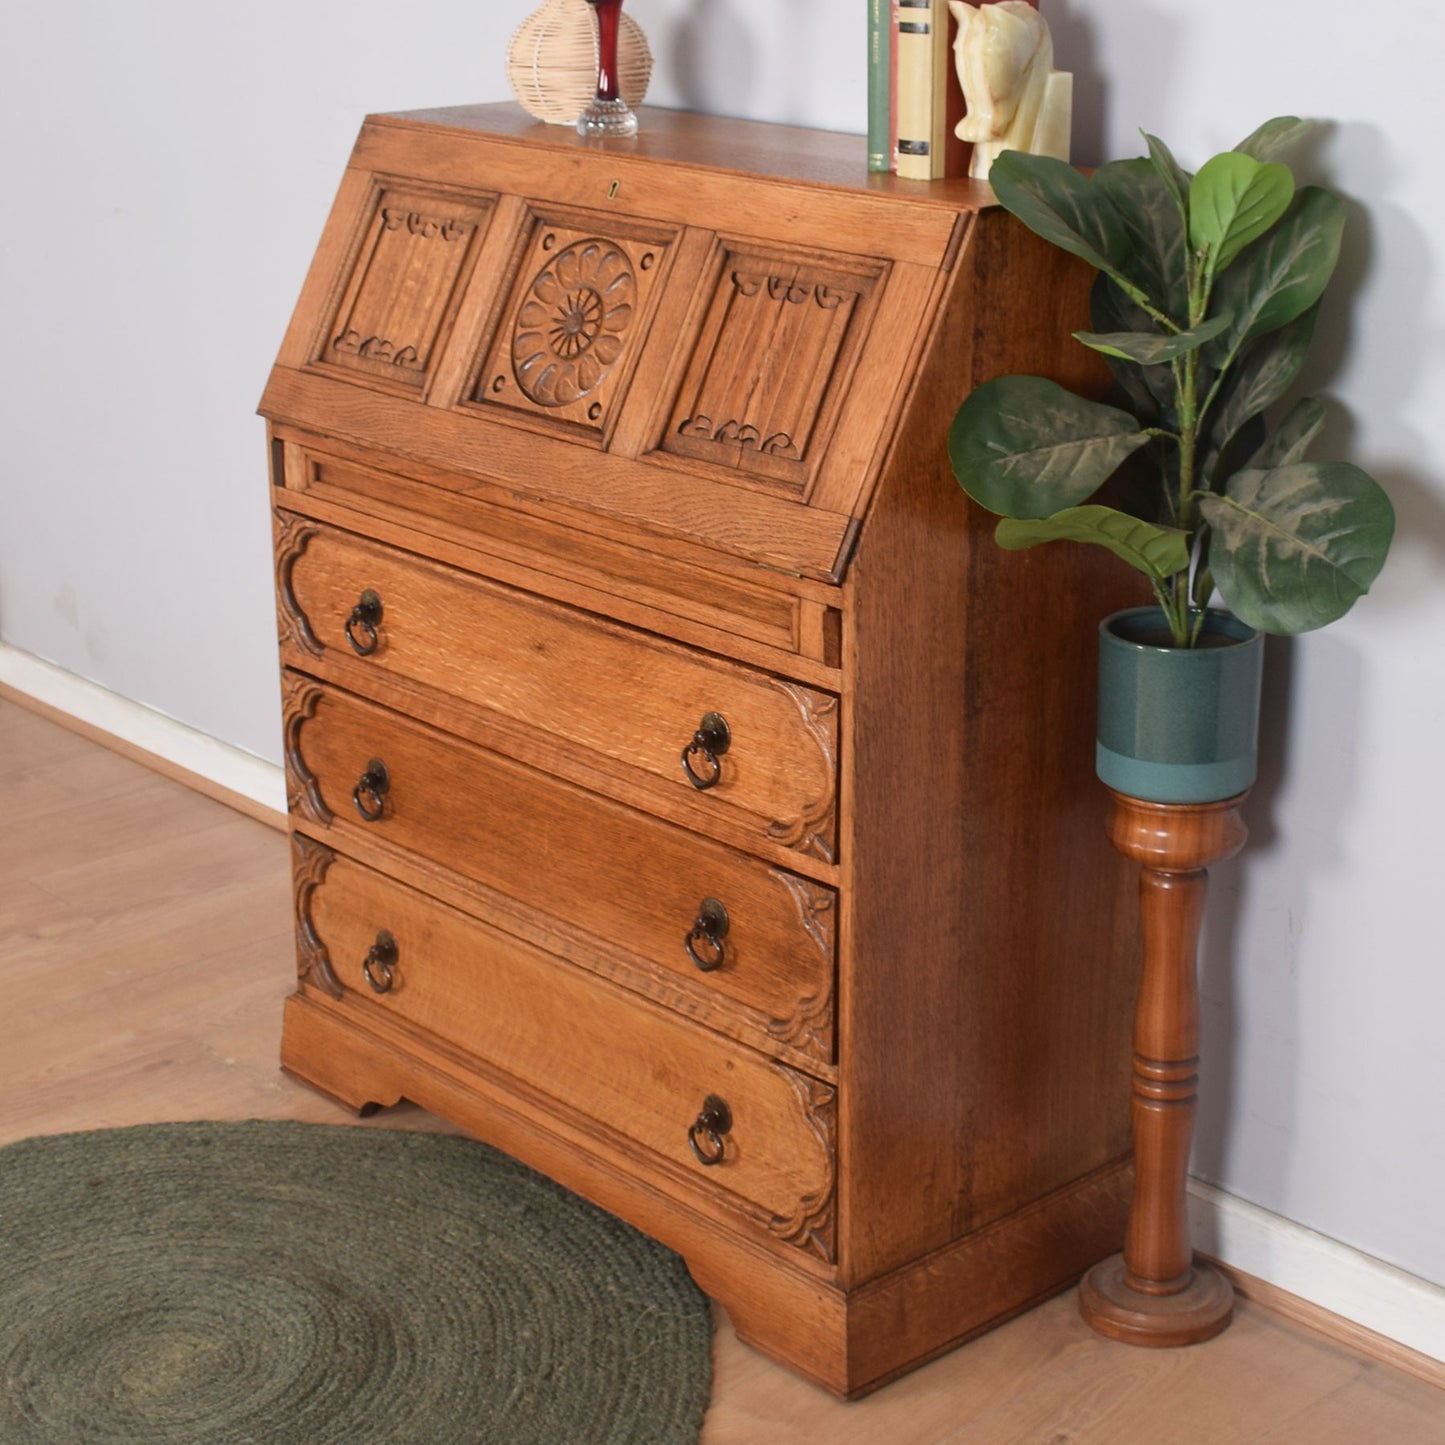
[708, 332]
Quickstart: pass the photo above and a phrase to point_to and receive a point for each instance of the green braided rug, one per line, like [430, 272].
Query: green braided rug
[294, 1284]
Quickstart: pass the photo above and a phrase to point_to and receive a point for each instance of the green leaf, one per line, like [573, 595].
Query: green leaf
[1293, 436]
[1176, 179]
[1064, 207]
[1274, 136]
[1234, 200]
[1153, 348]
[1261, 376]
[1154, 226]
[1295, 547]
[1282, 274]
[1023, 446]
[1149, 390]
[1157, 552]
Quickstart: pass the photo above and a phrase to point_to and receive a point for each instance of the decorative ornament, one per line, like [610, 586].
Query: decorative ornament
[1016, 100]
[552, 61]
[568, 334]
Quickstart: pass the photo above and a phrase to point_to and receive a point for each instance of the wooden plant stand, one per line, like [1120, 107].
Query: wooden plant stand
[1155, 1292]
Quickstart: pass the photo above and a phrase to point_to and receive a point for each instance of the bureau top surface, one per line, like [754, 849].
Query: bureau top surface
[744, 147]
[708, 332]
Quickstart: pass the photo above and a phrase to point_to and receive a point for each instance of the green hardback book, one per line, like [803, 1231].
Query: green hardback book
[880, 39]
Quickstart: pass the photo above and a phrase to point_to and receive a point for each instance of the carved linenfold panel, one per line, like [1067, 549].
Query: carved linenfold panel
[309, 862]
[810, 1026]
[743, 434]
[771, 364]
[575, 320]
[292, 535]
[299, 699]
[812, 1225]
[812, 831]
[406, 274]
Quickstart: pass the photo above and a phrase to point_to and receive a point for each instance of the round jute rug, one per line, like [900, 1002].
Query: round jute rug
[295, 1284]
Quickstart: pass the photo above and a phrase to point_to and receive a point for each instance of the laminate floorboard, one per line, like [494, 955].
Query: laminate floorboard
[145, 951]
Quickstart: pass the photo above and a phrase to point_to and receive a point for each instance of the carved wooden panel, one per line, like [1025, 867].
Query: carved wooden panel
[814, 828]
[813, 1224]
[575, 319]
[291, 534]
[415, 250]
[771, 365]
[810, 1026]
[299, 699]
[309, 863]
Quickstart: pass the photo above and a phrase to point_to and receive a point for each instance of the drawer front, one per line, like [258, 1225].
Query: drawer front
[621, 703]
[636, 1071]
[607, 886]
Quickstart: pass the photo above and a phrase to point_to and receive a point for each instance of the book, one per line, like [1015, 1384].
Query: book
[921, 41]
[880, 84]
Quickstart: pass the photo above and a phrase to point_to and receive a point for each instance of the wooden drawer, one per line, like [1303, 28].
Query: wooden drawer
[600, 883]
[637, 1071]
[585, 697]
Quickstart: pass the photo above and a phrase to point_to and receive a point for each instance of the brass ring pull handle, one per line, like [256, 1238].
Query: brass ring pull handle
[362, 624]
[710, 1126]
[370, 791]
[708, 932]
[379, 966]
[711, 740]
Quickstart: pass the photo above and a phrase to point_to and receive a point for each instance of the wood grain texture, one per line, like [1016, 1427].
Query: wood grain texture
[634, 1069]
[591, 687]
[1155, 1293]
[130, 1002]
[745, 169]
[981, 872]
[939, 943]
[774, 531]
[602, 884]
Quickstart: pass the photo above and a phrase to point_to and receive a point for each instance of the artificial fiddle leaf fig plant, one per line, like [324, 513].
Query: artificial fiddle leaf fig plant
[1204, 306]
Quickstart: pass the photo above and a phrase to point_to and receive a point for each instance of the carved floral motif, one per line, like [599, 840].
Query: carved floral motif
[570, 327]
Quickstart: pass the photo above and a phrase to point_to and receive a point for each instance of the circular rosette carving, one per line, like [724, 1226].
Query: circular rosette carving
[570, 327]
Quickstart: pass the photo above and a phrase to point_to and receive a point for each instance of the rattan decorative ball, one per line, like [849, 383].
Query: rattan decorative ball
[552, 61]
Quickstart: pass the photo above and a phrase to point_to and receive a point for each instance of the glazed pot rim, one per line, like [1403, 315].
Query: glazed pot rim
[1218, 621]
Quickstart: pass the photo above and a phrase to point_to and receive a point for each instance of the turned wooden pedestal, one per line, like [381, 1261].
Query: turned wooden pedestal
[1155, 1293]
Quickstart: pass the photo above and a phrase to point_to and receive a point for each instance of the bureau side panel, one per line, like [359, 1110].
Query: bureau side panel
[987, 969]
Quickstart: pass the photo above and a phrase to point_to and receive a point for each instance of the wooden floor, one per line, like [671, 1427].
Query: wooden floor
[145, 949]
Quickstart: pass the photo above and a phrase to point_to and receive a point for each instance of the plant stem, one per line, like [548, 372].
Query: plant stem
[1185, 508]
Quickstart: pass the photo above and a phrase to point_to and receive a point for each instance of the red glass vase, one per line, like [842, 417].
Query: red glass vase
[608, 115]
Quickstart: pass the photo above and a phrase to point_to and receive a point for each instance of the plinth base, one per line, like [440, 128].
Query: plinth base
[1197, 1312]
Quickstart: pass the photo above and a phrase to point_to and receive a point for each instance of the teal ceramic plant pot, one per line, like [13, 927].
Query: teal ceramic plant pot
[1177, 724]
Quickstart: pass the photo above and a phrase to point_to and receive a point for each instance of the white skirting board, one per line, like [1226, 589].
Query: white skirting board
[230, 768]
[1313, 1267]
[1355, 1286]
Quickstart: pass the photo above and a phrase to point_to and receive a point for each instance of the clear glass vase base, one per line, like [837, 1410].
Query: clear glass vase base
[607, 120]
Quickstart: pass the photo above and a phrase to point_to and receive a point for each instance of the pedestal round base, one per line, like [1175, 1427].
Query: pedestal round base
[1197, 1312]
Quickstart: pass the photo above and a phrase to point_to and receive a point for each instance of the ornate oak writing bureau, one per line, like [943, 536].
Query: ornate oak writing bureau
[687, 796]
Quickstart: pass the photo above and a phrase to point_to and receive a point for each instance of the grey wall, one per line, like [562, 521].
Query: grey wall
[168, 166]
